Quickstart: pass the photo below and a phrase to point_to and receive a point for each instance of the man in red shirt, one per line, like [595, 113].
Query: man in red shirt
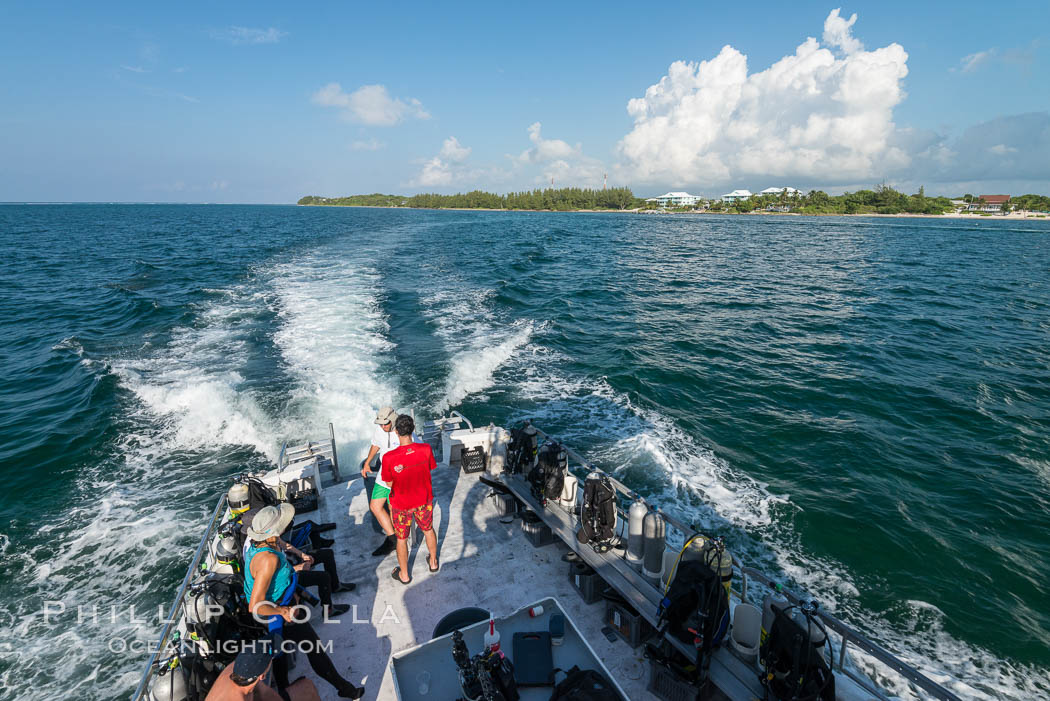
[407, 470]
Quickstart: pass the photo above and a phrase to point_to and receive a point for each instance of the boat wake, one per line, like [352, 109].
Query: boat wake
[477, 342]
[333, 340]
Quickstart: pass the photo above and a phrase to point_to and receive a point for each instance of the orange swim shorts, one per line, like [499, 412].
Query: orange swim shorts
[424, 516]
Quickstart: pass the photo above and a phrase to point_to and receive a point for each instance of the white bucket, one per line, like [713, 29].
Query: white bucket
[747, 629]
[569, 490]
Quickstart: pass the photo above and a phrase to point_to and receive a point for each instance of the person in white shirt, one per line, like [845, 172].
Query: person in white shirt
[384, 439]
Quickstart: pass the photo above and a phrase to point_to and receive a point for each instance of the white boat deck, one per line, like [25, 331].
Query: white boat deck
[484, 563]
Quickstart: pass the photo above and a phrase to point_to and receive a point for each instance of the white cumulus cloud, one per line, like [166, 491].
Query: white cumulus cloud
[544, 150]
[816, 115]
[370, 104]
[446, 168]
[1002, 149]
[454, 151]
[435, 173]
[839, 32]
[558, 161]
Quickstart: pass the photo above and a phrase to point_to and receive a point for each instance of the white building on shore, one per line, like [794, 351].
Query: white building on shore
[789, 191]
[676, 199]
[737, 195]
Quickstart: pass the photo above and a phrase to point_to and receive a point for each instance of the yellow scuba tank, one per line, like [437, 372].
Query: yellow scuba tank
[712, 553]
[237, 498]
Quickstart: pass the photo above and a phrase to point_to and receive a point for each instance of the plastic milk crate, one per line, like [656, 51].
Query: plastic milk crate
[628, 623]
[473, 459]
[536, 531]
[505, 504]
[587, 582]
[665, 684]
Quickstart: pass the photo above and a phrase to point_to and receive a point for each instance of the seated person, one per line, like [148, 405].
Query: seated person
[327, 582]
[269, 586]
[244, 680]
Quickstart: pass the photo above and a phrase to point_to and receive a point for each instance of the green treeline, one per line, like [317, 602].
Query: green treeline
[1030, 203]
[374, 200]
[563, 199]
[881, 200]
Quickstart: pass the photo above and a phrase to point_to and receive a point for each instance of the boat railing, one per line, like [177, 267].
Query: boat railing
[456, 414]
[176, 610]
[298, 453]
[847, 636]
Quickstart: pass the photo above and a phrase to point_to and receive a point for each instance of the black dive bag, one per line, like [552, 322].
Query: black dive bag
[598, 514]
[259, 495]
[521, 450]
[696, 608]
[795, 668]
[585, 685]
[548, 477]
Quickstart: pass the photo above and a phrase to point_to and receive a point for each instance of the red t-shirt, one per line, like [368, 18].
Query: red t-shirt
[407, 470]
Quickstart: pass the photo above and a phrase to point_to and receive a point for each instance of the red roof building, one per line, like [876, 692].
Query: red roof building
[988, 203]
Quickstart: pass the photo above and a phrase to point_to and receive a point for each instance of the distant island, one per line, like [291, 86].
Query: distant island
[566, 199]
[882, 200]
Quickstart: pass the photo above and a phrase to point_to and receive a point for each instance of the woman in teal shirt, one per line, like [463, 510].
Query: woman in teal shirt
[269, 585]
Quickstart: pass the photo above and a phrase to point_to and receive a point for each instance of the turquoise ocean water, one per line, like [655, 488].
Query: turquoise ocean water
[861, 406]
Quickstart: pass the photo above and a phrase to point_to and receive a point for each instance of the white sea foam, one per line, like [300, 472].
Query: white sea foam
[333, 336]
[194, 386]
[472, 369]
[478, 343]
[646, 438]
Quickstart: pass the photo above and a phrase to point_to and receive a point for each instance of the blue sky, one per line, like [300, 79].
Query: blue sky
[265, 102]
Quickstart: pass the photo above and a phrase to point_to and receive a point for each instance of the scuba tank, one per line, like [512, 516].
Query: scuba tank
[522, 449]
[170, 684]
[774, 598]
[654, 544]
[238, 498]
[202, 607]
[712, 552]
[635, 538]
[695, 607]
[227, 555]
[794, 665]
[806, 618]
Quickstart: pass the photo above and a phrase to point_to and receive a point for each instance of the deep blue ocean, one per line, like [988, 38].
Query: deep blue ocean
[860, 406]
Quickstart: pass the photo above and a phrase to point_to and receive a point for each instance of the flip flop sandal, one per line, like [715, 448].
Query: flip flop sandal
[396, 574]
[434, 569]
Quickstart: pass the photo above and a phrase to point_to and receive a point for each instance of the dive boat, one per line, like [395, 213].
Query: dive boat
[576, 571]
